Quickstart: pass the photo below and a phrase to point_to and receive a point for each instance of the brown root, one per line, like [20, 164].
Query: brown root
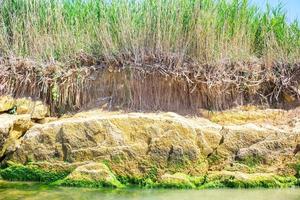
[150, 86]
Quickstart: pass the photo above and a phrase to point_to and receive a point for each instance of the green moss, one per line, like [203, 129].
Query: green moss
[20, 185]
[16, 172]
[254, 182]
[212, 185]
[252, 161]
[133, 181]
[175, 185]
[214, 159]
[297, 168]
[276, 182]
[88, 183]
[148, 181]
[179, 181]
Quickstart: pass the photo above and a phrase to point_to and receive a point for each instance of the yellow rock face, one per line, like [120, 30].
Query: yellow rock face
[6, 103]
[12, 128]
[137, 144]
[247, 114]
[36, 109]
[134, 143]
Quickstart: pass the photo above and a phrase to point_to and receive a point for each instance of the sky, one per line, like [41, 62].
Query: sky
[292, 7]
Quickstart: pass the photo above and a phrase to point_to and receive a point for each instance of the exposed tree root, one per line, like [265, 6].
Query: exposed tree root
[154, 85]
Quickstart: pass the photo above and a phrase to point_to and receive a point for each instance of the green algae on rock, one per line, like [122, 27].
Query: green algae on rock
[98, 175]
[164, 150]
[91, 175]
[18, 172]
[243, 180]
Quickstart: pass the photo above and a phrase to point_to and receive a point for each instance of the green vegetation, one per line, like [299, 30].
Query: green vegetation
[252, 161]
[297, 168]
[87, 183]
[206, 31]
[16, 172]
[257, 182]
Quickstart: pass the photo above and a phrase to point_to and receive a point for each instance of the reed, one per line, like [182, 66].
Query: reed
[205, 31]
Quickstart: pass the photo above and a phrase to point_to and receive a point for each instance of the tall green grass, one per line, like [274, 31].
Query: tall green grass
[206, 31]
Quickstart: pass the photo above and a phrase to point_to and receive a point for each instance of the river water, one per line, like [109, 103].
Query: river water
[37, 191]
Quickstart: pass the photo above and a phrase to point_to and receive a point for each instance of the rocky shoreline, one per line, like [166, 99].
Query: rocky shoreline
[241, 148]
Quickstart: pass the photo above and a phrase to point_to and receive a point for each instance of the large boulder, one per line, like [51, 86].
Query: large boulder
[133, 143]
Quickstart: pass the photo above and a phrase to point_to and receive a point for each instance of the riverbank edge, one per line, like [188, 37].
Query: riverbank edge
[30, 173]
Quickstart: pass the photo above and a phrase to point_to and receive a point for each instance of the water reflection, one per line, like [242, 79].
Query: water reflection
[36, 191]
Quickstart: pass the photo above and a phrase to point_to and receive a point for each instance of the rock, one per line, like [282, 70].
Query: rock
[12, 128]
[163, 147]
[97, 174]
[6, 103]
[129, 141]
[177, 180]
[247, 114]
[36, 109]
[245, 180]
[47, 120]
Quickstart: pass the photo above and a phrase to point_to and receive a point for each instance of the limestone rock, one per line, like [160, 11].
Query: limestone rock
[246, 180]
[6, 103]
[47, 120]
[133, 142]
[176, 180]
[92, 173]
[136, 143]
[36, 109]
[247, 114]
[12, 127]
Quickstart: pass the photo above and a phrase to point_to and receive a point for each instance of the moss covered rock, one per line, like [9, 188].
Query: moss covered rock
[132, 143]
[177, 180]
[17, 172]
[91, 175]
[244, 180]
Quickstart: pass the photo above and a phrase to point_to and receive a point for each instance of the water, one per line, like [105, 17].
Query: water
[36, 191]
